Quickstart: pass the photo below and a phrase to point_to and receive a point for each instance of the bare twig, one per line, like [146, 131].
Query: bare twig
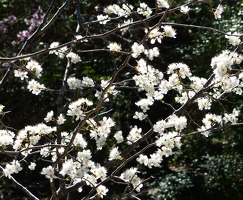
[24, 189]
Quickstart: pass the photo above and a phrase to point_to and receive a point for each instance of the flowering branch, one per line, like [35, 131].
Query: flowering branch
[24, 189]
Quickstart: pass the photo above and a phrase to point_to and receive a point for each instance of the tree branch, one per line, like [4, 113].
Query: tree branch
[24, 189]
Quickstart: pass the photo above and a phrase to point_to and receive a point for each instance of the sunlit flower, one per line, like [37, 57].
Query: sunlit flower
[101, 191]
[48, 172]
[21, 74]
[61, 119]
[74, 83]
[103, 19]
[144, 10]
[75, 58]
[169, 31]
[35, 87]
[184, 9]
[234, 39]
[163, 4]
[137, 49]
[34, 67]
[32, 166]
[114, 46]
[114, 154]
[49, 116]
[1, 108]
[219, 10]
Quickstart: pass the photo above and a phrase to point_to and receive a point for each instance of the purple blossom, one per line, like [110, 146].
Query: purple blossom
[33, 23]
[36, 20]
[23, 35]
[11, 19]
[3, 27]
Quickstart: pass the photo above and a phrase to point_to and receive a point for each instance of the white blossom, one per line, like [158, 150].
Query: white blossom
[114, 154]
[163, 4]
[232, 117]
[154, 35]
[145, 103]
[74, 83]
[167, 151]
[151, 53]
[34, 66]
[32, 166]
[144, 10]
[112, 9]
[84, 156]
[12, 168]
[6, 137]
[75, 108]
[20, 74]
[118, 136]
[234, 39]
[142, 159]
[125, 23]
[75, 58]
[134, 135]
[140, 115]
[53, 45]
[169, 31]
[48, 172]
[218, 11]
[160, 126]
[67, 167]
[204, 103]
[1, 108]
[184, 9]
[49, 116]
[99, 172]
[59, 52]
[113, 46]
[101, 191]
[103, 19]
[87, 82]
[131, 176]
[61, 119]
[197, 83]
[137, 49]
[79, 141]
[35, 87]
[182, 70]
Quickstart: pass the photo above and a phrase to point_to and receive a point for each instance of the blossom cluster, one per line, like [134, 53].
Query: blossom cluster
[130, 175]
[33, 23]
[75, 83]
[7, 137]
[212, 120]
[82, 169]
[13, 167]
[99, 132]
[31, 135]
[11, 19]
[77, 108]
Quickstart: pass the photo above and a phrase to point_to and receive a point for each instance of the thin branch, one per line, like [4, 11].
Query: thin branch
[182, 109]
[37, 32]
[196, 27]
[24, 189]
[78, 15]
[55, 16]
[129, 149]
[103, 35]
[211, 129]
[6, 76]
